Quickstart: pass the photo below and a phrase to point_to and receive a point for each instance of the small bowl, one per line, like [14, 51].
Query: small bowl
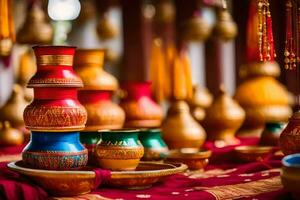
[252, 153]
[290, 176]
[194, 158]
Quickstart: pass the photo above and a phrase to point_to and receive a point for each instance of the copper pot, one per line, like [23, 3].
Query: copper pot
[225, 28]
[10, 136]
[180, 129]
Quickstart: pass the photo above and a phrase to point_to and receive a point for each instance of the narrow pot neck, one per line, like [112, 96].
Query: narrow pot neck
[93, 96]
[55, 93]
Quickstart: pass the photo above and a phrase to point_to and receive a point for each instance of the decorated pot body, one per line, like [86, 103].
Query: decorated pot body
[141, 111]
[271, 134]
[55, 151]
[55, 110]
[119, 150]
[102, 112]
[154, 147]
[290, 137]
[90, 140]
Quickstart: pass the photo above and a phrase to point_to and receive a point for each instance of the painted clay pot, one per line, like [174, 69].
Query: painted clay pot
[224, 117]
[54, 67]
[155, 149]
[55, 110]
[290, 137]
[119, 150]
[271, 134]
[180, 129]
[55, 151]
[90, 141]
[141, 111]
[10, 136]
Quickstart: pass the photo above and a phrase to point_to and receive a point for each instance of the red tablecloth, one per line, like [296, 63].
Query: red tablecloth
[223, 179]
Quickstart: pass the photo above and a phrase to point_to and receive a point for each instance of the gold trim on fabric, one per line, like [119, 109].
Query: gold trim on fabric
[242, 190]
[66, 60]
[82, 197]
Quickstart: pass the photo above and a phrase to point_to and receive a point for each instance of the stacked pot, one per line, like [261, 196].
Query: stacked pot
[55, 116]
[96, 97]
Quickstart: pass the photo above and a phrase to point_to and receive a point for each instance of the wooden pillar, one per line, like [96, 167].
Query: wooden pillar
[137, 41]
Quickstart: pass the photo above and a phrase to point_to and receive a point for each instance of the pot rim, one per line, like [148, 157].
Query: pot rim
[121, 130]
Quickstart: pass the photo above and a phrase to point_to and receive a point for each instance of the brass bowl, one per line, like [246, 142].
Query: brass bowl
[252, 153]
[290, 176]
[146, 174]
[58, 183]
[194, 158]
[73, 183]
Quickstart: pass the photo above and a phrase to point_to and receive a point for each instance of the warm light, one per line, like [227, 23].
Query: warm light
[63, 9]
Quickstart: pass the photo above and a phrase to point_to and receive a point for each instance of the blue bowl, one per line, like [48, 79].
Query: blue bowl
[55, 151]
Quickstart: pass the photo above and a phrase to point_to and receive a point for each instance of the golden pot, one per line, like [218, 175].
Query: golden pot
[119, 150]
[106, 29]
[164, 11]
[13, 110]
[10, 136]
[225, 28]
[224, 117]
[180, 129]
[201, 100]
[36, 29]
[263, 98]
[196, 29]
[88, 64]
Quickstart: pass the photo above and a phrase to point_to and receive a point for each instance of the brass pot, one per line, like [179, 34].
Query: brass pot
[10, 136]
[201, 100]
[180, 129]
[224, 117]
[106, 29]
[36, 29]
[263, 98]
[13, 110]
[225, 28]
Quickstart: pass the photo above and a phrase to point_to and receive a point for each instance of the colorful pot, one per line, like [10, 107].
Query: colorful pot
[98, 88]
[180, 129]
[154, 146]
[55, 151]
[102, 112]
[55, 110]
[290, 137]
[271, 134]
[119, 150]
[141, 111]
[54, 67]
[90, 140]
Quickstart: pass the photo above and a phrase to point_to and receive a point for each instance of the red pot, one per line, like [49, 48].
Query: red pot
[141, 111]
[102, 112]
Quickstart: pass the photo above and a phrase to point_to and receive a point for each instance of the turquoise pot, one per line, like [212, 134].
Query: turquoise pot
[270, 135]
[154, 146]
[90, 140]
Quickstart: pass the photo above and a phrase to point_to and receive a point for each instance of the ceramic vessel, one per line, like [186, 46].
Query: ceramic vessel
[10, 136]
[290, 137]
[106, 29]
[196, 29]
[13, 110]
[90, 141]
[290, 176]
[155, 148]
[252, 153]
[225, 28]
[262, 97]
[55, 107]
[201, 100]
[99, 85]
[270, 135]
[194, 158]
[119, 150]
[36, 29]
[141, 111]
[55, 151]
[180, 129]
[224, 117]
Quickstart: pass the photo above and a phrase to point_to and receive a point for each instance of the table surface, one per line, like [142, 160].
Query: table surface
[223, 178]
